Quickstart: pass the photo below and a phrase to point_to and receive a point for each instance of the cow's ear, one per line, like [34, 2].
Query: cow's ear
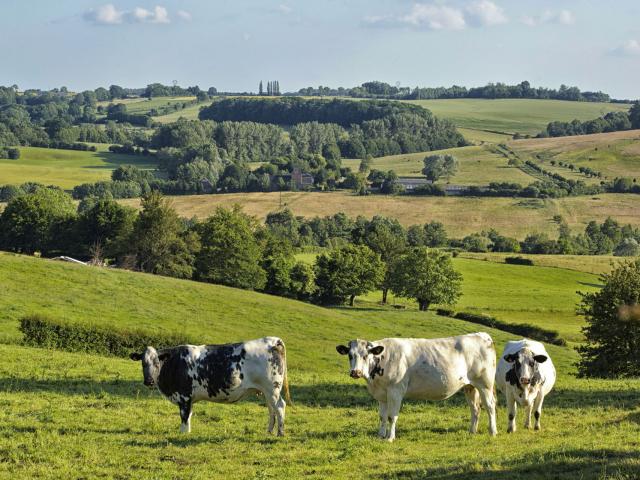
[135, 356]
[342, 350]
[376, 350]
[540, 358]
[163, 356]
[510, 358]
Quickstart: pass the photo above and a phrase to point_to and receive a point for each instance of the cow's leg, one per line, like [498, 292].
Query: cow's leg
[537, 407]
[185, 415]
[280, 408]
[473, 400]
[527, 414]
[512, 408]
[394, 402]
[489, 404]
[272, 416]
[382, 433]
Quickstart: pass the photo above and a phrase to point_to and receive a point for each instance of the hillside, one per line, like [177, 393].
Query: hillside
[65, 168]
[461, 216]
[525, 116]
[81, 415]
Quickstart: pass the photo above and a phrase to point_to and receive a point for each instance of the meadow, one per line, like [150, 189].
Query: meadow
[477, 165]
[510, 116]
[516, 217]
[80, 415]
[65, 168]
[141, 106]
[615, 154]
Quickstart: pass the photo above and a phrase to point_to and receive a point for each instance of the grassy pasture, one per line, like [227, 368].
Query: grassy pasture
[477, 165]
[84, 416]
[525, 116]
[594, 264]
[65, 168]
[190, 113]
[516, 217]
[540, 295]
[615, 154]
[144, 105]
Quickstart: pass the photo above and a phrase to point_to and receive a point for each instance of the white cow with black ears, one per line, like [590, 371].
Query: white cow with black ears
[426, 369]
[525, 374]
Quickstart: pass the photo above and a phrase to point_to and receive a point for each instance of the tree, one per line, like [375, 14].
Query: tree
[260, 89]
[347, 272]
[108, 224]
[435, 234]
[426, 275]
[230, 253]
[612, 333]
[303, 284]
[28, 221]
[277, 262]
[386, 237]
[437, 166]
[159, 240]
[634, 115]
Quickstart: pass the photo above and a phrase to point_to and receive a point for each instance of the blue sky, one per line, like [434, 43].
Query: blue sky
[233, 44]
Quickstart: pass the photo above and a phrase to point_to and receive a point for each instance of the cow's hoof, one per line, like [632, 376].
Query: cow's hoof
[511, 430]
[390, 440]
[281, 434]
[537, 427]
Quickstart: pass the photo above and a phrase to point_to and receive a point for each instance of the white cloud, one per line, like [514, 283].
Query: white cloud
[283, 8]
[108, 14]
[631, 48]
[485, 13]
[562, 17]
[184, 15]
[436, 16]
[104, 15]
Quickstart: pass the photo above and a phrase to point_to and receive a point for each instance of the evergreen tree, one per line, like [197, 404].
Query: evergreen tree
[260, 90]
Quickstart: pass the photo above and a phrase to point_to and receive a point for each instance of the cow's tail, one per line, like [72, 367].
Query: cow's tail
[285, 380]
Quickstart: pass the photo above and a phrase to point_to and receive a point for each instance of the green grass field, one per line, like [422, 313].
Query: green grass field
[65, 168]
[615, 154]
[461, 216]
[144, 105]
[477, 165]
[540, 295]
[525, 116]
[82, 416]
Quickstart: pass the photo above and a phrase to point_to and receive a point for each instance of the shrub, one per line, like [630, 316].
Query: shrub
[526, 330]
[518, 261]
[44, 332]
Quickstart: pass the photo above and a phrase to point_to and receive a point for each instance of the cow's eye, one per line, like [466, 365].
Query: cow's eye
[532, 363]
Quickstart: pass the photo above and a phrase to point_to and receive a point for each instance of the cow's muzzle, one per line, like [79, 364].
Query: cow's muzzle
[356, 374]
[524, 381]
[149, 383]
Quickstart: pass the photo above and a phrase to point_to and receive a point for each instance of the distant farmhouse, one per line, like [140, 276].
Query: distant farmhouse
[301, 180]
[409, 183]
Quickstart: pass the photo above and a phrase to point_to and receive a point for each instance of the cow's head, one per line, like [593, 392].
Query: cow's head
[151, 364]
[362, 357]
[525, 364]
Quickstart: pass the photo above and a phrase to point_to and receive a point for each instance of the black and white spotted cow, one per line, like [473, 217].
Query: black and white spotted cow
[187, 374]
[426, 369]
[525, 374]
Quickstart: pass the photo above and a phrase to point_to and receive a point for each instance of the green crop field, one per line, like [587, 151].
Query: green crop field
[525, 116]
[461, 216]
[77, 415]
[190, 113]
[65, 168]
[144, 105]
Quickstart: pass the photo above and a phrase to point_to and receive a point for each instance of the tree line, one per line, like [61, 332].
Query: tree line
[611, 122]
[524, 89]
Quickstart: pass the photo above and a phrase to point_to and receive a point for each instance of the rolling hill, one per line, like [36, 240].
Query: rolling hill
[68, 414]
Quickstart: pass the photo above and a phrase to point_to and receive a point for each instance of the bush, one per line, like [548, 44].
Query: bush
[526, 330]
[518, 261]
[44, 332]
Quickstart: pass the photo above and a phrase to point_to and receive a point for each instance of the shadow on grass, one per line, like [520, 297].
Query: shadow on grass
[337, 395]
[594, 285]
[583, 464]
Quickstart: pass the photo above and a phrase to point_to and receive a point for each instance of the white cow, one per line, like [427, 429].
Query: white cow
[525, 374]
[427, 369]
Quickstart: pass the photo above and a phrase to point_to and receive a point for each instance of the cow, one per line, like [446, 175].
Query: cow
[525, 375]
[427, 369]
[187, 374]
